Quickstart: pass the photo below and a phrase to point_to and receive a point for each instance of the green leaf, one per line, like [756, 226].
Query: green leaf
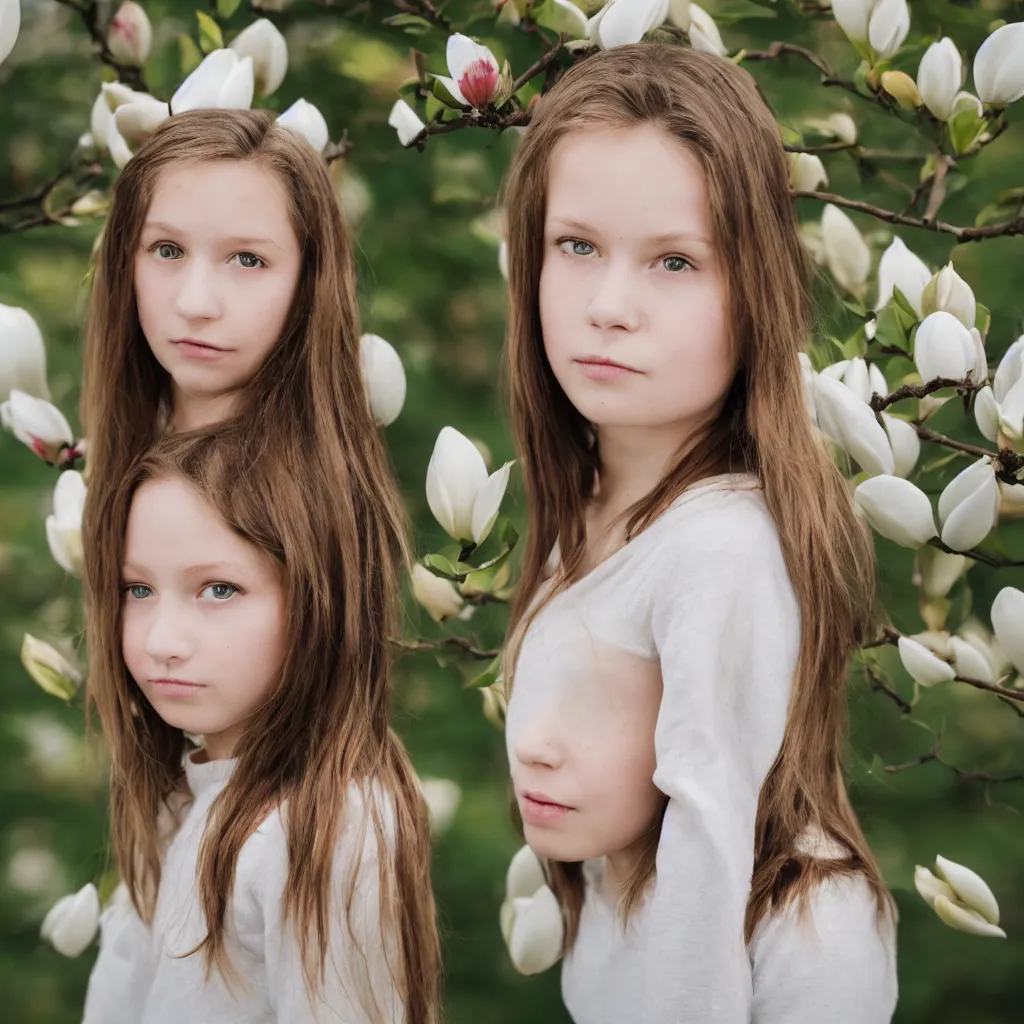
[210, 36]
[189, 57]
[982, 318]
[890, 330]
[904, 310]
[413, 24]
[443, 567]
[855, 346]
[857, 308]
[488, 677]
[440, 91]
[509, 535]
[225, 8]
[738, 10]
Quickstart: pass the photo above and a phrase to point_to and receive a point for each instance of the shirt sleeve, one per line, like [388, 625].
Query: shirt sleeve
[836, 964]
[123, 969]
[726, 628]
[358, 986]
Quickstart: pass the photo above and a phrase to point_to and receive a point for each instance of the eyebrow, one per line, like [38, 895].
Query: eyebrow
[661, 239]
[205, 569]
[256, 240]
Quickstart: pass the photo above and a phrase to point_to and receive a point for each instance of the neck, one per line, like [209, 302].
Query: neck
[634, 460]
[618, 867]
[193, 412]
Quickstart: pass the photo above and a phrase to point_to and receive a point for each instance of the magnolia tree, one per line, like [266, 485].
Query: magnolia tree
[917, 349]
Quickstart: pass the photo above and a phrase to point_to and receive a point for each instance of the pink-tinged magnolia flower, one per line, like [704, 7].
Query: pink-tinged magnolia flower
[130, 35]
[475, 75]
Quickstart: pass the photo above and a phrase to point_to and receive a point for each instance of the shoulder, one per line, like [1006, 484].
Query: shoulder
[834, 939]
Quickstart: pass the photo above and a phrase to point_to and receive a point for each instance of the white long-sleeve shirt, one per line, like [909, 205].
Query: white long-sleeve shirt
[705, 592]
[142, 977]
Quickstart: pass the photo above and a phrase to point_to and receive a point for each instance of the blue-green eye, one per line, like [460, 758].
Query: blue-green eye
[166, 250]
[221, 591]
[675, 263]
[138, 591]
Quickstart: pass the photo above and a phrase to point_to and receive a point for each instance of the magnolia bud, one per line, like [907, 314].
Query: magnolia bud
[923, 666]
[806, 172]
[304, 118]
[1008, 623]
[902, 88]
[22, 354]
[71, 925]
[221, 81]
[969, 506]
[960, 897]
[999, 66]
[939, 77]
[36, 423]
[897, 509]
[269, 52]
[949, 292]
[944, 348]
[130, 35]
[846, 252]
[49, 668]
[438, 596]
[900, 268]
[384, 376]
[64, 527]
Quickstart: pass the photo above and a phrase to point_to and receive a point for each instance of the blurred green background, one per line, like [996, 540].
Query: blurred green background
[430, 284]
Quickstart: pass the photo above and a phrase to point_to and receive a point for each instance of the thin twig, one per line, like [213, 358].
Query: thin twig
[828, 76]
[457, 643]
[934, 755]
[1014, 226]
[882, 402]
[879, 685]
[426, 10]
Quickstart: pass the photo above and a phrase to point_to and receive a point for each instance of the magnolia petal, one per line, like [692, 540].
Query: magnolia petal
[939, 77]
[1009, 370]
[965, 483]
[897, 509]
[461, 52]
[970, 662]
[627, 21]
[137, 120]
[438, 596]
[525, 874]
[72, 923]
[852, 425]
[10, 24]
[488, 502]
[999, 66]
[535, 942]
[929, 886]
[202, 88]
[305, 119]
[1007, 615]
[965, 920]
[263, 42]
[405, 121]
[943, 347]
[238, 89]
[455, 475]
[903, 269]
[852, 18]
[23, 354]
[970, 520]
[923, 666]
[384, 376]
[888, 26]
[906, 445]
[846, 252]
[704, 34]
[986, 414]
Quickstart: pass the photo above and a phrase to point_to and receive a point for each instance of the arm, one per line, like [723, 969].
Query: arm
[726, 628]
[834, 965]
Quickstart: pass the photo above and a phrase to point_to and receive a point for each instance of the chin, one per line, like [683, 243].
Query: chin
[552, 844]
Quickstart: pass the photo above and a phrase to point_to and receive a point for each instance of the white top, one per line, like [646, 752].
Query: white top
[141, 976]
[704, 590]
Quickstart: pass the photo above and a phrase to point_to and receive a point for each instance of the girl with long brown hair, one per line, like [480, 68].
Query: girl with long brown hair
[695, 579]
[278, 871]
[223, 298]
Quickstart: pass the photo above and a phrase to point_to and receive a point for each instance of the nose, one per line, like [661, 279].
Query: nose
[614, 302]
[167, 641]
[197, 297]
[536, 747]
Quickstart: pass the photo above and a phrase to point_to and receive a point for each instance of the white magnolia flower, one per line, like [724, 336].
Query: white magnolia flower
[222, 80]
[999, 66]
[306, 119]
[71, 924]
[36, 423]
[906, 445]
[10, 23]
[970, 662]
[944, 348]
[463, 498]
[405, 121]
[1000, 409]
[882, 24]
[938, 570]
[900, 268]
[949, 292]
[704, 34]
[269, 52]
[137, 120]
[443, 798]
[846, 252]
[1008, 623]
[939, 77]
[922, 665]
[384, 376]
[64, 527]
[897, 509]
[852, 425]
[531, 919]
[438, 596]
[49, 668]
[475, 75]
[621, 22]
[22, 354]
[130, 35]
[969, 506]
[960, 897]
[839, 125]
[806, 172]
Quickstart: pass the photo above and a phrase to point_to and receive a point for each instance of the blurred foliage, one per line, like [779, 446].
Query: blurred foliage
[427, 251]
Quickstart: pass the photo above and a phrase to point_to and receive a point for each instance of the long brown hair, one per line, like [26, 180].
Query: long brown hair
[323, 727]
[713, 108]
[305, 420]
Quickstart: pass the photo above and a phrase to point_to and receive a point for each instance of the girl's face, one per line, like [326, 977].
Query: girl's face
[580, 739]
[215, 272]
[633, 303]
[203, 614]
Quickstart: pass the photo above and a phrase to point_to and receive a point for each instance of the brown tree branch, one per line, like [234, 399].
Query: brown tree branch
[90, 14]
[934, 755]
[964, 386]
[1014, 226]
[828, 76]
[456, 643]
[424, 9]
[879, 685]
